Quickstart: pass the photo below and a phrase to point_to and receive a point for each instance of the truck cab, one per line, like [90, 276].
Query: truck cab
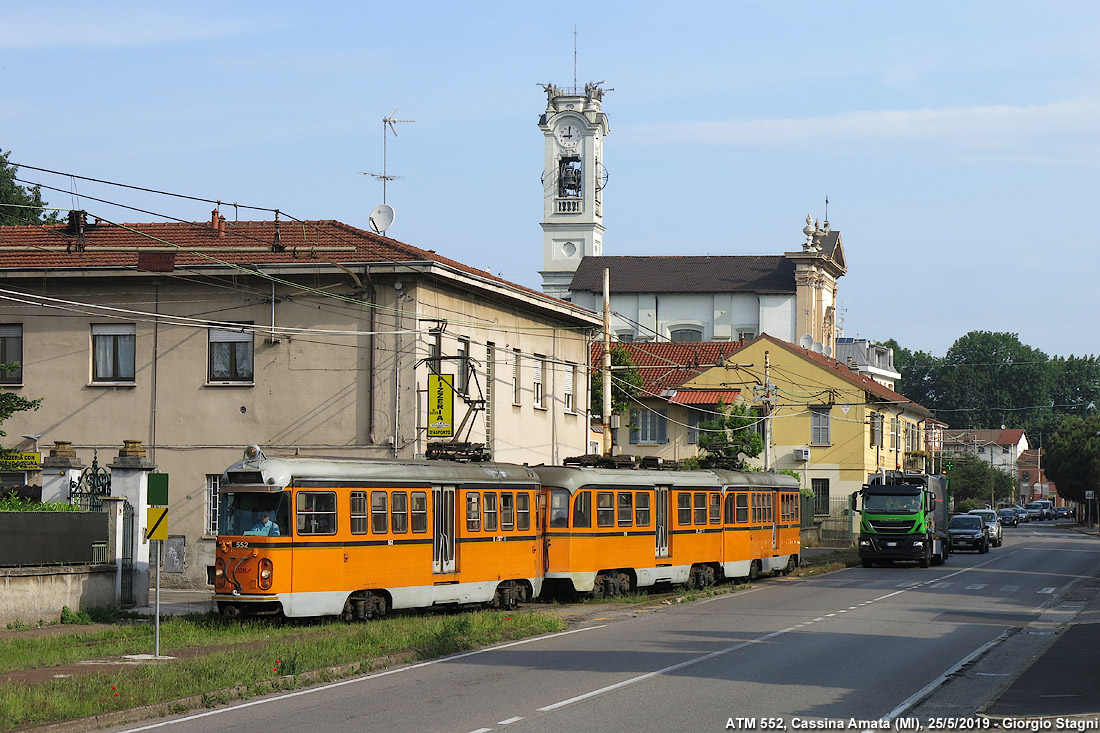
[903, 517]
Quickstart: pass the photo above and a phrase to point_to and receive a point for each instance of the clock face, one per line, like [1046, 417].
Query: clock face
[569, 135]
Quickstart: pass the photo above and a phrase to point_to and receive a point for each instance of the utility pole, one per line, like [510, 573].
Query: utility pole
[767, 410]
[607, 362]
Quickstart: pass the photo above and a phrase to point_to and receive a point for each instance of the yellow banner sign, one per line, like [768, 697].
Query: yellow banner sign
[156, 518]
[21, 462]
[441, 405]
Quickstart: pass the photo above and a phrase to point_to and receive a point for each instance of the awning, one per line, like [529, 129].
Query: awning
[704, 397]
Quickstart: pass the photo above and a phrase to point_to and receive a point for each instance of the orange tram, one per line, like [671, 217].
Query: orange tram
[358, 537]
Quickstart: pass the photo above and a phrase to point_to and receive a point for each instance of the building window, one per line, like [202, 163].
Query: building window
[435, 350]
[819, 425]
[462, 367]
[746, 335]
[894, 425]
[820, 487]
[213, 483]
[11, 352]
[516, 391]
[694, 418]
[540, 367]
[876, 430]
[231, 354]
[649, 427]
[113, 352]
[686, 334]
[625, 337]
[570, 379]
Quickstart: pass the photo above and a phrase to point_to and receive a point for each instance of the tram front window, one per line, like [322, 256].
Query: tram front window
[249, 513]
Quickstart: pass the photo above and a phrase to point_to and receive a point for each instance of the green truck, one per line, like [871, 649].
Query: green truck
[903, 516]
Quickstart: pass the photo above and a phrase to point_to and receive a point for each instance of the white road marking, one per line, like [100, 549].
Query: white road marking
[976, 586]
[1010, 588]
[353, 680]
[481, 730]
[509, 721]
[942, 585]
[1047, 590]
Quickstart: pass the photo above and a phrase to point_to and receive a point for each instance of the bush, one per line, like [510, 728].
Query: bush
[15, 503]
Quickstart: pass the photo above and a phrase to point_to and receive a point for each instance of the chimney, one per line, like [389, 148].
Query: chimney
[214, 219]
[221, 226]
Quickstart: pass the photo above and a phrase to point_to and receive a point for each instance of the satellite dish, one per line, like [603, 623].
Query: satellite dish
[381, 218]
[806, 341]
[828, 351]
[817, 348]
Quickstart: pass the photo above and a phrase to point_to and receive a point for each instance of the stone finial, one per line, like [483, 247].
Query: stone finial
[62, 449]
[131, 449]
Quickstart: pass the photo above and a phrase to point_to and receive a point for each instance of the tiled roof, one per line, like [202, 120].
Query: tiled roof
[769, 274]
[841, 370]
[667, 365]
[704, 396]
[992, 436]
[116, 246]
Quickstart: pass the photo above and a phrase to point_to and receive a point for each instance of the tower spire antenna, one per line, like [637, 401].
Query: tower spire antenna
[574, 57]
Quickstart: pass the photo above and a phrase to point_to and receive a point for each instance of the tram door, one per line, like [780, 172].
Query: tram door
[661, 519]
[777, 504]
[443, 539]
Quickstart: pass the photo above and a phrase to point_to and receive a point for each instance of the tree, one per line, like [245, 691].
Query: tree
[975, 482]
[1071, 457]
[11, 403]
[987, 373]
[626, 382]
[919, 373]
[16, 198]
[730, 436]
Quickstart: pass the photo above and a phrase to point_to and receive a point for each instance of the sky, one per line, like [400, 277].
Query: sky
[958, 143]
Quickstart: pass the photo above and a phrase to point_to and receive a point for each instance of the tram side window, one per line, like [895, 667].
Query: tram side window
[756, 513]
[715, 509]
[742, 508]
[523, 512]
[683, 508]
[626, 508]
[359, 512]
[379, 518]
[507, 511]
[489, 511]
[605, 509]
[559, 508]
[473, 511]
[582, 509]
[399, 512]
[419, 511]
[316, 512]
[641, 509]
[700, 507]
[729, 508]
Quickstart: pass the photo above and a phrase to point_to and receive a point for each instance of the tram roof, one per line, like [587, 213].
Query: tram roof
[578, 477]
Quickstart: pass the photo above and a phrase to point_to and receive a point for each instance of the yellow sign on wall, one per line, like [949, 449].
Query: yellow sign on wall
[21, 462]
[441, 405]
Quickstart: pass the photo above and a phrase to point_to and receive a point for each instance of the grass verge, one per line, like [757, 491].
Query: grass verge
[240, 659]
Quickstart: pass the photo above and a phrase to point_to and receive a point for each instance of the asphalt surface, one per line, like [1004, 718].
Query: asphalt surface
[1062, 681]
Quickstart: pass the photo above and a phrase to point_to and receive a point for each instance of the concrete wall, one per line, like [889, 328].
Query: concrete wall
[31, 595]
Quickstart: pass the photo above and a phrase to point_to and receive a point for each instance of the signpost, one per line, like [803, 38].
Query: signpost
[441, 399]
[156, 529]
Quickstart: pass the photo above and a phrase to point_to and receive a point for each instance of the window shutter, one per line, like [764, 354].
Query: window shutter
[693, 427]
[662, 426]
[11, 330]
[634, 425]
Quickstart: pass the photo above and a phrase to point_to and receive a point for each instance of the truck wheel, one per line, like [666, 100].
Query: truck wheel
[867, 563]
[926, 559]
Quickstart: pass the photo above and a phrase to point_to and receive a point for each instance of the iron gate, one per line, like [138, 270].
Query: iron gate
[87, 493]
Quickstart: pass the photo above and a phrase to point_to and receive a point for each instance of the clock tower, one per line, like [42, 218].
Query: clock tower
[573, 179]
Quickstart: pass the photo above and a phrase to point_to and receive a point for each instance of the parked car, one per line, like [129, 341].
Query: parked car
[1021, 514]
[1035, 511]
[1062, 512]
[1008, 517]
[968, 532]
[989, 516]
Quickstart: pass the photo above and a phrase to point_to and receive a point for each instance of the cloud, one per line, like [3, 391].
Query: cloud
[988, 127]
[99, 26]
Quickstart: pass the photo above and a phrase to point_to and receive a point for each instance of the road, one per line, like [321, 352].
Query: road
[870, 644]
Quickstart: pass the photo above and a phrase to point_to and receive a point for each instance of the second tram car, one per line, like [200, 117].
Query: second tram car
[358, 537]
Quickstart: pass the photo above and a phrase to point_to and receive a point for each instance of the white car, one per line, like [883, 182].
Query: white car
[989, 516]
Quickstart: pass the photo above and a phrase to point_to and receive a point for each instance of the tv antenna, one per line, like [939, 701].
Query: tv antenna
[390, 123]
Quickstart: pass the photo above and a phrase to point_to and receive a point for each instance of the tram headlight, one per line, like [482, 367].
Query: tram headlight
[267, 569]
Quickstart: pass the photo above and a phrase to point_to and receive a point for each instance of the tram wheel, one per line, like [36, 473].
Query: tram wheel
[754, 570]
